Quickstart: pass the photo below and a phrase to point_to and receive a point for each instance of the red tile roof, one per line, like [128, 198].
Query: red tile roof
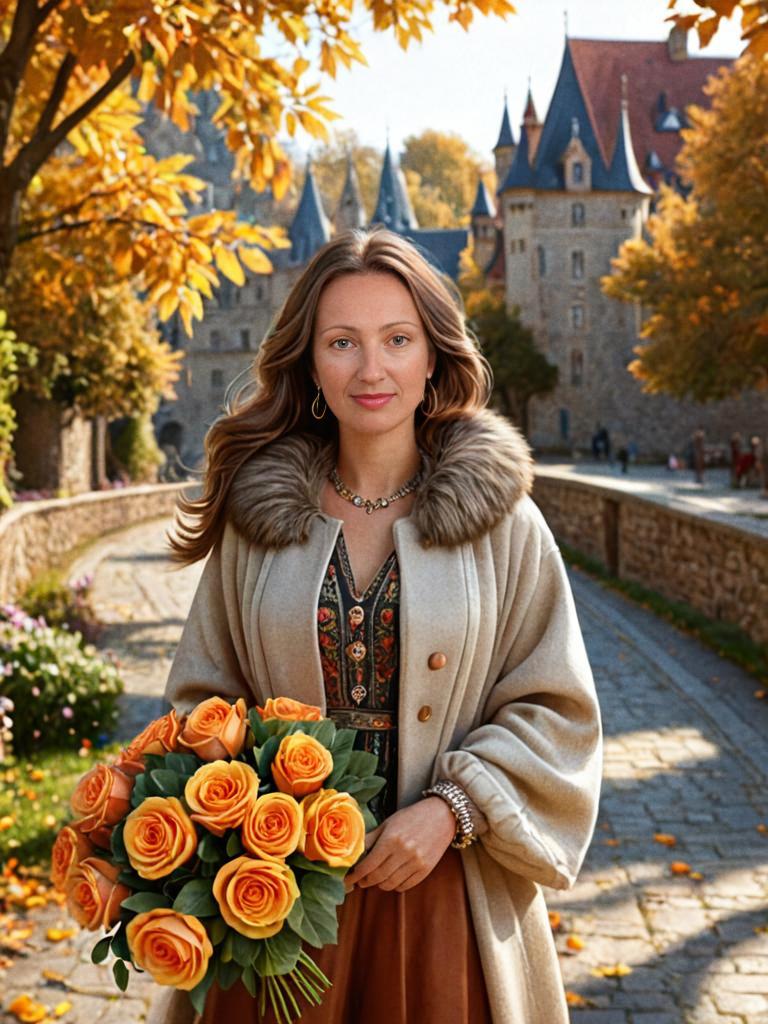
[599, 65]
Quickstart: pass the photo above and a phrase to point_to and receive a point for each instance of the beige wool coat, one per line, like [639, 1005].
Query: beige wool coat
[514, 716]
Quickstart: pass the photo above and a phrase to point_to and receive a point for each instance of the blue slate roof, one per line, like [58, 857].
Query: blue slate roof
[506, 138]
[624, 174]
[393, 209]
[567, 103]
[520, 174]
[483, 205]
[441, 246]
[310, 227]
[351, 199]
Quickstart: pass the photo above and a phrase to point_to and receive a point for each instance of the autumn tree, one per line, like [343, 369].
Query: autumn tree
[520, 369]
[447, 171]
[706, 21]
[329, 165]
[701, 274]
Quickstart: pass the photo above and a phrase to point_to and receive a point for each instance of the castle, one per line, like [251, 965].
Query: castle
[571, 189]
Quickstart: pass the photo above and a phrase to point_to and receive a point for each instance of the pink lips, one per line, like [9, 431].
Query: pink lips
[372, 401]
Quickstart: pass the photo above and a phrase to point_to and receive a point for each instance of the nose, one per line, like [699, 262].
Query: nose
[370, 368]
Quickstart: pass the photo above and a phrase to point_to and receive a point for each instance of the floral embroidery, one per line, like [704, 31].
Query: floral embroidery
[358, 638]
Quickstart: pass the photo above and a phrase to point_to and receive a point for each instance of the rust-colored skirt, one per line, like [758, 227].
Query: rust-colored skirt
[401, 957]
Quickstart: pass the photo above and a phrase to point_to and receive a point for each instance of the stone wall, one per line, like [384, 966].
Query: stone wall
[717, 568]
[36, 536]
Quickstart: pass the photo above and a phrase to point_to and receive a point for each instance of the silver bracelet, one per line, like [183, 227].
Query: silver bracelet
[459, 803]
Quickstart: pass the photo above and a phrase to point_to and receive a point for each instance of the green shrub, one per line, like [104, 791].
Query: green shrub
[63, 605]
[137, 450]
[62, 691]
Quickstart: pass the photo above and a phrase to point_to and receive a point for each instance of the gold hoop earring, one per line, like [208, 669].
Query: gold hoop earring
[315, 405]
[433, 401]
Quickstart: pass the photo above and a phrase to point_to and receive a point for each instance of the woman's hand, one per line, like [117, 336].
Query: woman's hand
[406, 847]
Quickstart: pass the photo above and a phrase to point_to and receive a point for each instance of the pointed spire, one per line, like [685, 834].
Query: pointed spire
[624, 174]
[530, 116]
[506, 138]
[393, 208]
[350, 212]
[520, 173]
[310, 228]
[483, 205]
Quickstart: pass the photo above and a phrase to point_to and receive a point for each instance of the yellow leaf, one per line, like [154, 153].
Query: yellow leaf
[554, 919]
[679, 867]
[167, 305]
[665, 838]
[61, 1008]
[575, 942]
[228, 264]
[255, 260]
[26, 1009]
[611, 971]
[575, 999]
[58, 934]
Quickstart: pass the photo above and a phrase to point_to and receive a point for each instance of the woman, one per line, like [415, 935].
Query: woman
[374, 551]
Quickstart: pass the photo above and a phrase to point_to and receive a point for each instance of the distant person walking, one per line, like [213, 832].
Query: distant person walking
[698, 455]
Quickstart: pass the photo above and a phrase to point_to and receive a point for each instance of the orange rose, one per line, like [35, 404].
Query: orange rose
[93, 893]
[215, 729]
[174, 948]
[221, 793]
[69, 848]
[101, 797]
[159, 836]
[334, 829]
[272, 826]
[290, 710]
[159, 737]
[255, 896]
[301, 765]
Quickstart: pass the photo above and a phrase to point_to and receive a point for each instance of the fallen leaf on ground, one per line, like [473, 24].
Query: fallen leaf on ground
[762, 827]
[611, 842]
[24, 1008]
[575, 999]
[61, 1008]
[760, 694]
[665, 838]
[554, 920]
[58, 934]
[575, 942]
[696, 876]
[611, 971]
[679, 867]
[54, 976]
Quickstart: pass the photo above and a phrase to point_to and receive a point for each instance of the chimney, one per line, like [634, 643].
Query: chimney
[677, 44]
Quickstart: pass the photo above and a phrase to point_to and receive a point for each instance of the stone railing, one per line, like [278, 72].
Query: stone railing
[35, 536]
[715, 567]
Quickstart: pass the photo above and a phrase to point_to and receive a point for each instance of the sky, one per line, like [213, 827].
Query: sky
[455, 81]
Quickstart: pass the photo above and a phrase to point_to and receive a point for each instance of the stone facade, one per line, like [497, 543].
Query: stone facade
[40, 536]
[717, 568]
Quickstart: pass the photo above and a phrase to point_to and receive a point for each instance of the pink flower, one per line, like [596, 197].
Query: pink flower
[67, 712]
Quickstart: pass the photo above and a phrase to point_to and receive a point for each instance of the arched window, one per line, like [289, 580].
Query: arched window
[577, 215]
[577, 367]
[577, 265]
[542, 252]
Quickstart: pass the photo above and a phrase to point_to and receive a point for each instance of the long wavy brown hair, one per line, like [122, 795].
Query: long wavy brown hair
[284, 389]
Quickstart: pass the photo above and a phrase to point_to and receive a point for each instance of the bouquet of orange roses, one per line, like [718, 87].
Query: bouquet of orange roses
[215, 847]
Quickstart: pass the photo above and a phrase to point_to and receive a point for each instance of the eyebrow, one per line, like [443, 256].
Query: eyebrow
[384, 327]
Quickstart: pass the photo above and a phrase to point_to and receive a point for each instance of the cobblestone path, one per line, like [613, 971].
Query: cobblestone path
[686, 754]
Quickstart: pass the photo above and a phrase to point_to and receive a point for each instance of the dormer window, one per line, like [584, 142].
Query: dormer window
[578, 172]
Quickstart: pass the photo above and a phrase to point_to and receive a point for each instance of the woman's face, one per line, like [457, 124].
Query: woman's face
[369, 342]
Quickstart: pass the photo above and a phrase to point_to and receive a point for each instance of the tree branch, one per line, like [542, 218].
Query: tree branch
[41, 145]
[58, 90]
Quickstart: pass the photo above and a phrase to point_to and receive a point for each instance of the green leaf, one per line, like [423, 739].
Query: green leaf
[244, 949]
[281, 952]
[266, 757]
[182, 764]
[258, 729]
[324, 731]
[234, 846]
[226, 950]
[362, 764]
[120, 943]
[369, 818]
[100, 951]
[249, 980]
[196, 898]
[166, 782]
[117, 844]
[298, 860]
[362, 789]
[210, 850]
[134, 881]
[322, 890]
[217, 930]
[342, 751]
[228, 973]
[143, 901]
[139, 793]
[199, 992]
[120, 972]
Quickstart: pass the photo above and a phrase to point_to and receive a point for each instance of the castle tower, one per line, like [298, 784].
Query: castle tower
[393, 208]
[350, 213]
[532, 125]
[310, 227]
[517, 196]
[504, 150]
[482, 217]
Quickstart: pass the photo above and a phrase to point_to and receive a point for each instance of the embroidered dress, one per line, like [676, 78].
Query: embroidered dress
[400, 957]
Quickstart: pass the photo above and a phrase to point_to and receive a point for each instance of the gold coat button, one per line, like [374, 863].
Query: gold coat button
[425, 713]
[437, 660]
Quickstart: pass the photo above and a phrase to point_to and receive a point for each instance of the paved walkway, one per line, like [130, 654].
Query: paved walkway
[686, 754]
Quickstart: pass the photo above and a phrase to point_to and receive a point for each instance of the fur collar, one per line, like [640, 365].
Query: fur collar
[481, 466]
